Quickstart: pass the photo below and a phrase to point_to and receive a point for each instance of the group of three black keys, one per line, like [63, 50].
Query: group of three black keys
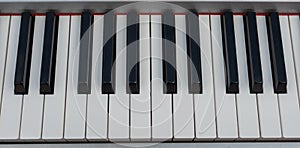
[22, 71]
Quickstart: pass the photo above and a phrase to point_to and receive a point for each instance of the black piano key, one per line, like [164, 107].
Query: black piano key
[229, 50]
[169, 55]
[109, 54]
[23, 63]
[253, 54]
[132, 52]
[193, 51]
[276, 53]
[47, 78]
[85, 54]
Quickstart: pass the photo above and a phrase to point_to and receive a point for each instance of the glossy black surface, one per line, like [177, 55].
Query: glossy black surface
[229, 51]
[169, 52]
[253, 54]
[193, 51]
[109, 54]
[132, 52]
[47, 78]
[276, 53]
[85, 54]
[23, 63]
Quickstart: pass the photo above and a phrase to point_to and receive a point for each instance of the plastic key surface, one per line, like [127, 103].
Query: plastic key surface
[276, 53]
[109, 54]
[4, 28]
[194, 52]
[289, 102]
[97, 103]
[49, 54]
[225, 104]
[183, 119]
[85, 53]
[267, 102]
[32, 113]
[162, 124]
[133, 36]
[204, 104]
[253, 54]
[245, 101]
[75, 107]
[24, 53]
[140, 116]
[11, 105]
[119, 109]
[54, 104]
[169, 52]
[229, 51]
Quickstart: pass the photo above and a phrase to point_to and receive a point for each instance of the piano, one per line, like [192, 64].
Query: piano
[149, 72]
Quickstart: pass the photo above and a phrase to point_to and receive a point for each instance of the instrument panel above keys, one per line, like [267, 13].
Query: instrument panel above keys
[151, 77]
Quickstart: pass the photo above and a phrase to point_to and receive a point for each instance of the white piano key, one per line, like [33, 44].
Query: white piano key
[225, 103]
[204, 103]
[140, 118]
[32, 114]
[162, 126]
[289, 103]
[267, 101]
[295, 38]
[4, 28]
[97, 102]
[245, 102]
[11, 106]
[75, 112]
[54, 105]
[183, 111]
[119, 102]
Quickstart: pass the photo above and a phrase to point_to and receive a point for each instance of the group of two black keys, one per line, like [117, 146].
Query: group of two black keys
[169, 53]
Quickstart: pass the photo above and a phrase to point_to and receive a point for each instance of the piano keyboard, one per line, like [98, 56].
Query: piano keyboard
[149, 77]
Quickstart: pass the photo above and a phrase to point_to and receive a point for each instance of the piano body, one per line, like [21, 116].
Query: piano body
[139, 72]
